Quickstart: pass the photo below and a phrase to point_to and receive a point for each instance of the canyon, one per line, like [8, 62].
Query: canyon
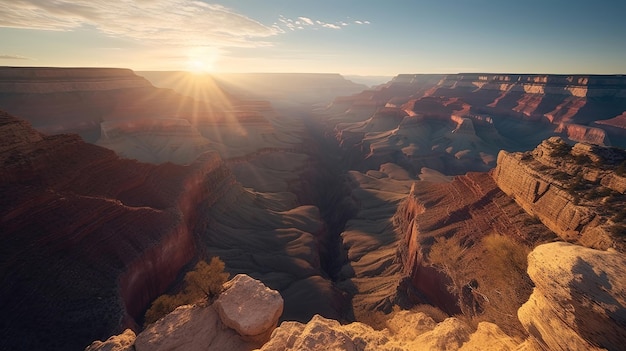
[341, 204]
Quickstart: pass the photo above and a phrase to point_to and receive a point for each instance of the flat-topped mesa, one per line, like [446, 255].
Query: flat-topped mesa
[572, 190]
[55, 80]
[115, 232]
[77, 100]
[574, 85]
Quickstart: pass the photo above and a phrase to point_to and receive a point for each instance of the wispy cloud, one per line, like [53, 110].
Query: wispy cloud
[160, 22]
[298, 23]
[13, 57]
[330, 25]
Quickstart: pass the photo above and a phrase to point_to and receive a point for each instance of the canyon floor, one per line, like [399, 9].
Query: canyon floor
[440, 201]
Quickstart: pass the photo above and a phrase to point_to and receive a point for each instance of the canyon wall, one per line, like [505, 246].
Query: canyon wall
[570, 189]
[526, 108]
[87, 236]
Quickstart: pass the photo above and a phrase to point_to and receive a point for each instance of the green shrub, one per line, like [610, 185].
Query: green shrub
[163, 305]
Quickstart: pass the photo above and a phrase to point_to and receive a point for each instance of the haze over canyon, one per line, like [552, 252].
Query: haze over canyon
[471, 211]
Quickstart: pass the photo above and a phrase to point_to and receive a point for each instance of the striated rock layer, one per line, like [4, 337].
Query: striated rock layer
[572, 190]
[86, 236]
[468, 209]
[523, 108]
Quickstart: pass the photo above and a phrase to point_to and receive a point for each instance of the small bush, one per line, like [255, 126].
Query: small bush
[163, 305]
[204, 282]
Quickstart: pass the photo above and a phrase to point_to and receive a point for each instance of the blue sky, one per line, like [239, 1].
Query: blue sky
[346, 36]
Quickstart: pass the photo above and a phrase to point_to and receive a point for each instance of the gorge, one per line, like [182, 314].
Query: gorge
[340, 206]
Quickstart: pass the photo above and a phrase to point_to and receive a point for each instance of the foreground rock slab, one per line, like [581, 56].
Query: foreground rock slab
[190, 328]
[579, 300]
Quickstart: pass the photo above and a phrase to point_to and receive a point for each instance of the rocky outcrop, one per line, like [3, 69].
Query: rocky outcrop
[570, 189]
[405, 331]
[250, 308]
[579, 299]
[242, 318]
[97, 236]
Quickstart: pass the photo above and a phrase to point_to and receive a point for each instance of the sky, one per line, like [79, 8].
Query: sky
[354, 37]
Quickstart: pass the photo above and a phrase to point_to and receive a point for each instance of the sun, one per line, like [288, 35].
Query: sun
[201, 60]
[198, 66]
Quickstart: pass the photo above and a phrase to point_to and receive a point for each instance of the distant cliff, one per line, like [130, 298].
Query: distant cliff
[572, 103]
[55, 80]
[61, 100]
[87, 236]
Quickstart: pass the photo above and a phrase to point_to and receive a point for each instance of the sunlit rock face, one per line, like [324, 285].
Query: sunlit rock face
[519, 110]
[404, 331]
[579, 298]
[89, 236]
[573, 192]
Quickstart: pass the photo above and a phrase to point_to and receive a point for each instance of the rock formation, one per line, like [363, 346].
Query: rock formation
[242, 318]
[570, 189]
[517, 105]
[405, 331]
[470, 209]
[579, 299]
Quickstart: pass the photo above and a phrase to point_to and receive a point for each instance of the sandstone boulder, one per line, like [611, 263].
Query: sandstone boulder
[579, 299]
[249, 307]
[122, 342]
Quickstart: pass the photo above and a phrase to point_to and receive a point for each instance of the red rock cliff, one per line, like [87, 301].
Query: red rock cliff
[87, 240]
